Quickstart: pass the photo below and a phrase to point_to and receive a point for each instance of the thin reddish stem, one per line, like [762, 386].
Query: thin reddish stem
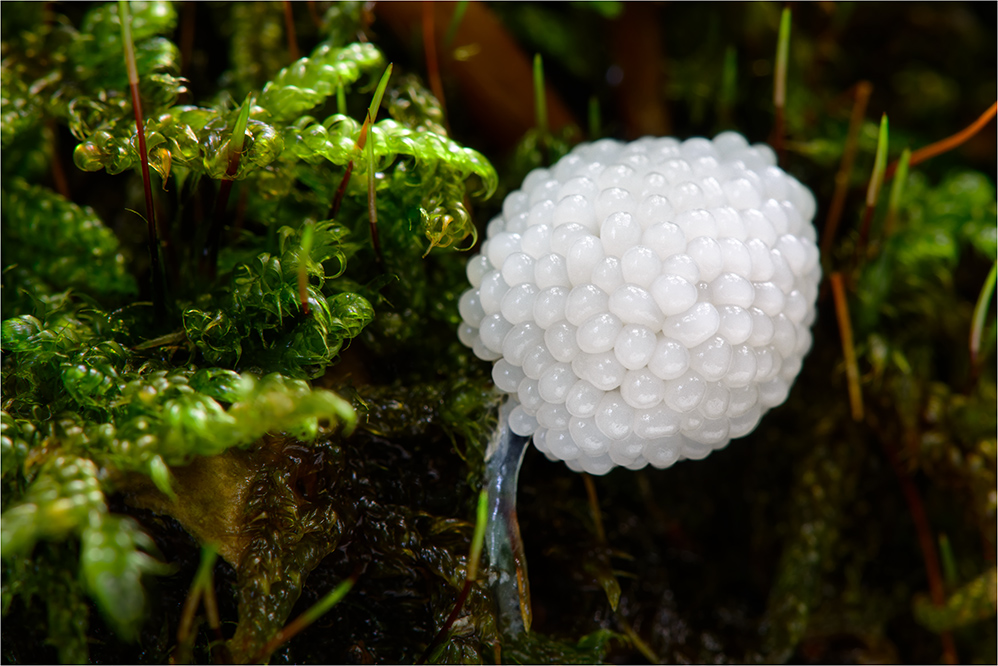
[334, 210]
[780, 83]
[372, 113]
[307, 618]
[949, 143]
[211, 611]
[863, 90]
[185, 639]
[203, 587]
[594, 508]
[210, 256]
[470, 573]
[58, 173]
[314, 14]
[146, 180]
[159, 289]
[235, 152]
[458, 605]
[522, 581]
[188, 25]
[289, 27]
[864, 233]
[927, 544]
[341, 190]
[432, 63]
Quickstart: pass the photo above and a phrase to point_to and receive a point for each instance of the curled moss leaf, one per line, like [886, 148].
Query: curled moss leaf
[216, 335]
[19, 331]
[444, 219]
[262, 145]
[95, 55]
[336, 137]
[261, 323]
[349, 314]
[424, 162]
[308, 82]
[190, 136]
[144, 413]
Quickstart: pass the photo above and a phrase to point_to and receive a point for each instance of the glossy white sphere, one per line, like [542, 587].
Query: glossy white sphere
[646, 302]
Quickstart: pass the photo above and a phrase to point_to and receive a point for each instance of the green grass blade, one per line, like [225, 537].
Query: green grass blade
[152, 231]
[897, 190]
[455, 23]
[477, 541]
[879, 165]
[595, 121]
[239, 131]
[372, 110]
[341, 100]
[540, 101]
[729, 85]
[782, 57]
[981, 312]
[326, 604]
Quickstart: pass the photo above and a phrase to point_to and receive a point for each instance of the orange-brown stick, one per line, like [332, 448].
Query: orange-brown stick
[949, 143]
[848, 348]
[863, 90]
[432, 63]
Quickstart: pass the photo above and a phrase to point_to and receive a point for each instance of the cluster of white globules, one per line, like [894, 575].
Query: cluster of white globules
[646, 302]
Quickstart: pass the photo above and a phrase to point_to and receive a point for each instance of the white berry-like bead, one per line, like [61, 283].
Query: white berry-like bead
[646, 302]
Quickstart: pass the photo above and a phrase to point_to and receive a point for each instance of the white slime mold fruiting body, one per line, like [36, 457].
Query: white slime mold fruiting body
[646, 302]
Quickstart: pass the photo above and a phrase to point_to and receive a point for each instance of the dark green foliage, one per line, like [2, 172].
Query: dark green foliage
[941, 226]
[79, 77]
[140, 414]
[825, 487]
[49, 584]
[261, 313]
[95, 54]
[61, 245]
[971, 603]
[65, 499]
[93, 397]
[258, 48]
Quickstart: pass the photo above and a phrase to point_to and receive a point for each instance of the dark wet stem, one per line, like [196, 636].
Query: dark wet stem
[507, 564]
